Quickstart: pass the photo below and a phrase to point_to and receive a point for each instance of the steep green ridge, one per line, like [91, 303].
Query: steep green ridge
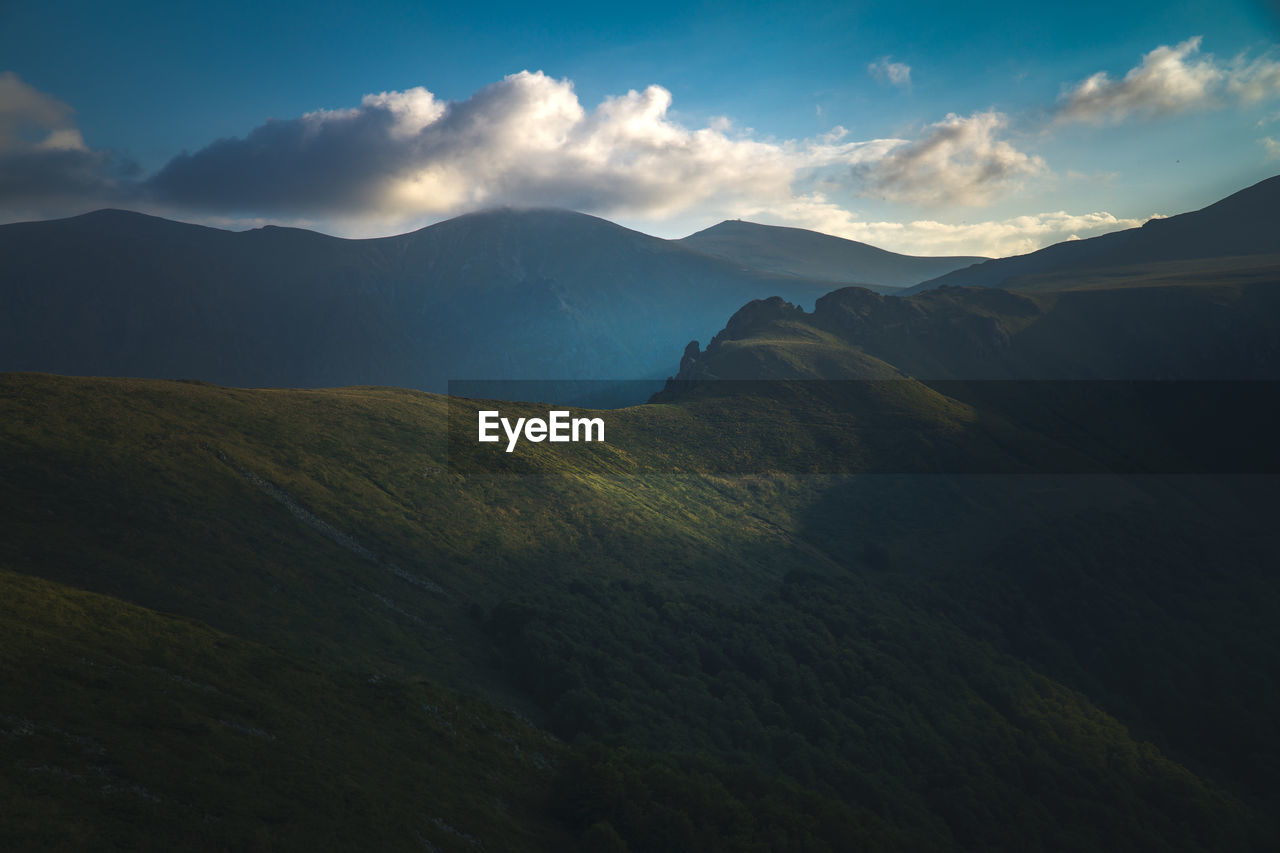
[1205, 326]
[781, 661]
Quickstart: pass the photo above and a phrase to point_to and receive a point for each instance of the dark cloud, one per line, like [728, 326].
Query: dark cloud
[45, 167]
[36, 178]
[310, 165]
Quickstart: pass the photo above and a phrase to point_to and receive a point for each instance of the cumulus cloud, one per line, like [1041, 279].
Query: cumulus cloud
[959, 160]
[525, 140]
[1254, 81]
[993, 238]
[1271, 146]
[1170, 80]
[887, 71]
[400, 159]
[45, 166]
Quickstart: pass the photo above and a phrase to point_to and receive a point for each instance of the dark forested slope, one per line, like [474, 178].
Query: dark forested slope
[736, 662]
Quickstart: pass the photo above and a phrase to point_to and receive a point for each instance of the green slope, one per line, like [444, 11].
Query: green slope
[740, 661]
[123, 728]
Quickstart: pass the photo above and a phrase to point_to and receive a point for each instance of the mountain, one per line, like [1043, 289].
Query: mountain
[499, 295]
[1153, 377]
[273, 619]
[763, 614]
[810, 255]
[1246, 223]
[1192, 324]
[857, 598]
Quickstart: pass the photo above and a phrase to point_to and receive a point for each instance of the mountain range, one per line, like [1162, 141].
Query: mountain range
[793, 603]
[506, 294]
[810, 255]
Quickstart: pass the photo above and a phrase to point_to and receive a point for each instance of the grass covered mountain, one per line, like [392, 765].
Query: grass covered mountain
[810, 255]
[1172, 322]
[1170, 372]
[882, 610]
[533, 294]
[282, 619]
[1244, 225]
[499, 295]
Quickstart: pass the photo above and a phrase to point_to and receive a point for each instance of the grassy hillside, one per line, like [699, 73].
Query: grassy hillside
[1200, 325]
[714, 660]
[123, 728]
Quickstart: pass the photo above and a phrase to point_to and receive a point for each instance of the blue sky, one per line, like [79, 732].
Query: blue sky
[932, 128]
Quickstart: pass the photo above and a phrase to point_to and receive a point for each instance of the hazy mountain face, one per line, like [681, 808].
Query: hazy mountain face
[507, 294]
[808, 254]
[1244, 224]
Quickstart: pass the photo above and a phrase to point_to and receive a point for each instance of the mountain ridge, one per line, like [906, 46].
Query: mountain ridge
[497, 294]
[1244, 223]
[811, 254]
[1208, 329]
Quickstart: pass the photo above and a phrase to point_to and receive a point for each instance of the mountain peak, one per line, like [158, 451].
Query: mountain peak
[810, 254]
[116, 214]
[745, 227]
[500, 294]
[537, 223]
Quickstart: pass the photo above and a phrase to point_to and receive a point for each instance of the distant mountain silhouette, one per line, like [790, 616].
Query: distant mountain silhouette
[1246, 223]
[809, 254]
[509, 294]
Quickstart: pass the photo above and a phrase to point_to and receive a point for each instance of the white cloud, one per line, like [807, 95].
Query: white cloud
[527, 140]
[1271, 146]
[1170, 80]
[959, 160]
[1254, 81]
[895, 73]
[402, 159]
[993, 238]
